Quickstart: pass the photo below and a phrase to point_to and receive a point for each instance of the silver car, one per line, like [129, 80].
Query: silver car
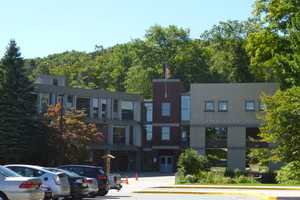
[16, 187]
[57, 182]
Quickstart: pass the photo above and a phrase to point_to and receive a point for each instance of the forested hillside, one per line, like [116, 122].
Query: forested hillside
[259, 49]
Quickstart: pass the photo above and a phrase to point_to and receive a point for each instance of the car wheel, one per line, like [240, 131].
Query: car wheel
[102, 192]
[3, 197]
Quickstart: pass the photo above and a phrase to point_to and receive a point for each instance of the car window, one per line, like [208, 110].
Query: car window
[18, 170]
[7, 172]
[77, 170]
[90, 172]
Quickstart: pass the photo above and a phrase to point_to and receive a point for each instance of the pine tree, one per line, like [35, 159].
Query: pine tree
[18, 121]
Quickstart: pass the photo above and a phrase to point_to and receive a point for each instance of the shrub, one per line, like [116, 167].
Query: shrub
[190, 162]
[244, 179]
[289, 174]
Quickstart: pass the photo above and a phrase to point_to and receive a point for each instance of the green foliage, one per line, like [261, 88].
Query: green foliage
[289, 174]
[281, 124]
[260, 156]
[271, 48]
[20, 129]
[190, 162]
[225, 43]
[215, 177]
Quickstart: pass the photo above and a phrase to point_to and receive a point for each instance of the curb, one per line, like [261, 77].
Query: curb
[260, 196]
[227, 187]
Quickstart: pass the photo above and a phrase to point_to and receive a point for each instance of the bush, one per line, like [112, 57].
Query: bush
[190, 162]
[289, 174]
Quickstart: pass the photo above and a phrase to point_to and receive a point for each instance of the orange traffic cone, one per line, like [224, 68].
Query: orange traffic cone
[126, 180]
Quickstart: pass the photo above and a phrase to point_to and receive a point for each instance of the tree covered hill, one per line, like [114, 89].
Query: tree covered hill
[217, 56]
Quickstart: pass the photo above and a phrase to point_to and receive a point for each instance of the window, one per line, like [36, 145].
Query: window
[119, 135]
[209, 106]
[216, 133]
[262, 106]
[165, 133]
[185, 134]
[127, 110]
[95, 108]
[165, 109]
[83, 103]
[115, 106]
[103, 108]
[131, 135]
[250, 105]
[185, 108]
[55, 82]
[69, 103]
[149, 111]
[148, 129]
[223, 106]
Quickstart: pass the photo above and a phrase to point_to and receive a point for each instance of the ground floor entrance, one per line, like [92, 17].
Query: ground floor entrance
[166, 164]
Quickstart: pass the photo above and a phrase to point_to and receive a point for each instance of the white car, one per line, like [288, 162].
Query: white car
[16, 187]
[57, 182]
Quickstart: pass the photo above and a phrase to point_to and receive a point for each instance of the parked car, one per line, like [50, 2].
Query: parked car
[15, 187]
[92, 186]
[115, 181]
[91, 172]
[78, 186]
[57, 182]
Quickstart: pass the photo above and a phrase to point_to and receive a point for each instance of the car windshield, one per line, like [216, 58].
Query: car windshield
[68, 173]
[7, 172]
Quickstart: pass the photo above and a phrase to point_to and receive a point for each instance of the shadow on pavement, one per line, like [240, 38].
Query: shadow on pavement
[108, 197]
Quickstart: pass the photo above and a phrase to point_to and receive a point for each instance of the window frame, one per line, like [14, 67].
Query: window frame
[246, 103]
[205, 107]
[163, 133]
[163, 111]
[219, 103]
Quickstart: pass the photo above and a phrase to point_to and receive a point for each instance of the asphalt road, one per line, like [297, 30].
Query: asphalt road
[171, 197]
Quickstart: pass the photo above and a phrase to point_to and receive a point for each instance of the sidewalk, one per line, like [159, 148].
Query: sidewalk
[260, 193]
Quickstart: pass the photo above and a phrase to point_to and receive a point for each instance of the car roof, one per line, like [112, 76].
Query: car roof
[32, 167]
[89, 166]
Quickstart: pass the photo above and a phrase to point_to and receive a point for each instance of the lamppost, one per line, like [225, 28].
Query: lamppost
[61, 112]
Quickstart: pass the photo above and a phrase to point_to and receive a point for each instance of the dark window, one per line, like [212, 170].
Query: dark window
[55, 82]
[166, 109]
[131, 135]
[70, 101]
[223, 106]
[115, 106]
[103, 108]
[209, 106]
[95, 108]
[185, 134]
[83, 104]
[119, 135]
[216, 133]
[250, 105]
[127, 110]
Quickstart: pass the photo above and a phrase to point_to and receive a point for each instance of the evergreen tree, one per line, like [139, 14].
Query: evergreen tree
[18, 121]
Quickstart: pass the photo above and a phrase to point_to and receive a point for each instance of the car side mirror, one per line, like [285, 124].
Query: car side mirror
[46, 179]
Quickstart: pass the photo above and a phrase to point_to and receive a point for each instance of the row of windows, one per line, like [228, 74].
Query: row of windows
[165, 133]
[98, 105]
[250, 105]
